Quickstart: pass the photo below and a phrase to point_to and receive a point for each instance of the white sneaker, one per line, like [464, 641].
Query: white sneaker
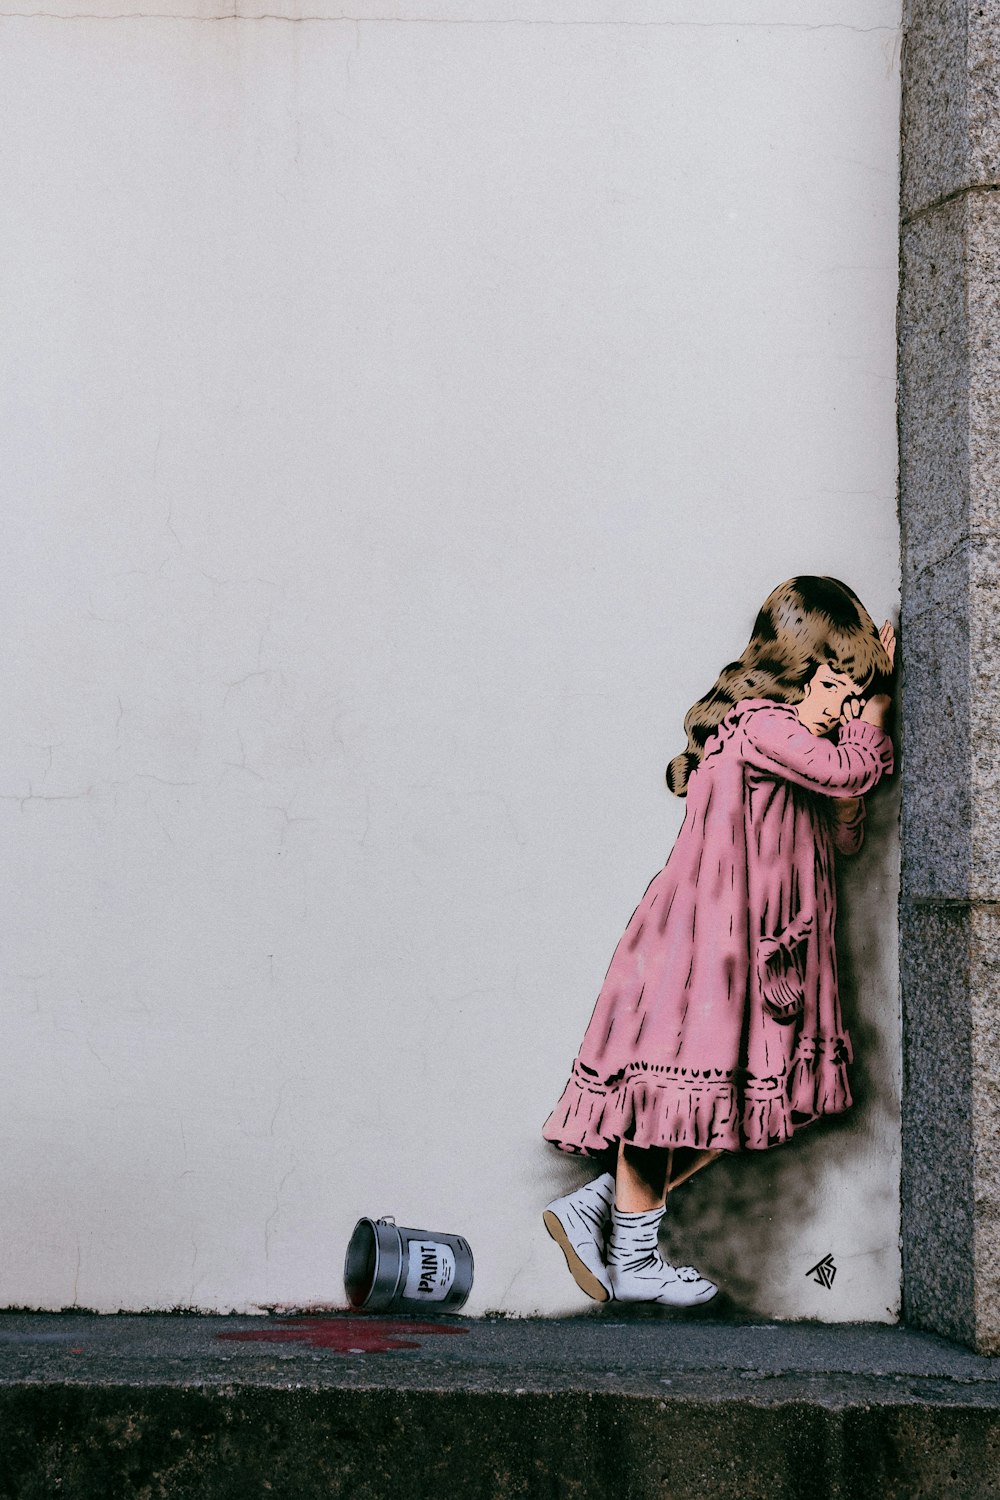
[637, 1272]
[578, 1223]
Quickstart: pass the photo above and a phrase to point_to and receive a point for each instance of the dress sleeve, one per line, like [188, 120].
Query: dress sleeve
[777, 743]
[848, 836]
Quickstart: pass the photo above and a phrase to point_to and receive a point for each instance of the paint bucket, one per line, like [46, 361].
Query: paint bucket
[406, 1270]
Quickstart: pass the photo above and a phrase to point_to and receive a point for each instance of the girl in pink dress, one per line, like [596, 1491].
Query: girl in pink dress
[718, 1027]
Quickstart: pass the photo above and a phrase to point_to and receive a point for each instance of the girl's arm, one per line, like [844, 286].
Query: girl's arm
[848, 824]
[849, 812]
[775, 741]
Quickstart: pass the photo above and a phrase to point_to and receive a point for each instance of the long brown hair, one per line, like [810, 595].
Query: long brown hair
[805, 623]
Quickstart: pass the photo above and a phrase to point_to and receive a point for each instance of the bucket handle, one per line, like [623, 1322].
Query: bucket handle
[387, 1219]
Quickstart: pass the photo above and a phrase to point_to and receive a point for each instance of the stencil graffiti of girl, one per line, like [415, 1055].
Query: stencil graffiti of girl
[718, 1027]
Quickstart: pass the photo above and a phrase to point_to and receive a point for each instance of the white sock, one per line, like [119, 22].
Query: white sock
[633, 1242]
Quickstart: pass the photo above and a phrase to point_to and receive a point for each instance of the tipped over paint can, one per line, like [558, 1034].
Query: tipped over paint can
[406, 1270]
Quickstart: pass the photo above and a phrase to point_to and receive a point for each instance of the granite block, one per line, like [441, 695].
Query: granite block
[984, 964]
[938, 1213]
[936, 731]
[984, 717]
[933, 389]
[982, 236]
[950, 967]
[982, 105]
[950, 119]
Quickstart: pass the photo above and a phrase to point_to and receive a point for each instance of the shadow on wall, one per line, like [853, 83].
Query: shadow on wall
[742, 1218]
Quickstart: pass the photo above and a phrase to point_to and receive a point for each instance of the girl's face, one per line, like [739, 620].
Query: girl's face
[826, 693]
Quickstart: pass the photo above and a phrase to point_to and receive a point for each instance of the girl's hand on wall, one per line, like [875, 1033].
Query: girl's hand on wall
[874, 710]
[888, 638]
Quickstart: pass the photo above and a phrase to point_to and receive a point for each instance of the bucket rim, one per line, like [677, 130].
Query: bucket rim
[373, 1226]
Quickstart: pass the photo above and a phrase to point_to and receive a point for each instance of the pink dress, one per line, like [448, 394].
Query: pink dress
[719, 1025]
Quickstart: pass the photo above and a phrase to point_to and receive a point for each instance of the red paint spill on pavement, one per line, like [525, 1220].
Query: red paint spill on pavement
[346, 1335]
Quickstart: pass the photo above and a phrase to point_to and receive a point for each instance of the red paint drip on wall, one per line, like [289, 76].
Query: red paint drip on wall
[346, 1335]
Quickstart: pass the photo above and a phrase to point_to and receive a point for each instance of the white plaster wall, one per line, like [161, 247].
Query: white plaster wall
[402, 422]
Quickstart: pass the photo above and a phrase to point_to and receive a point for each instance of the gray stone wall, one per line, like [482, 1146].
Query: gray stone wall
[949, 417]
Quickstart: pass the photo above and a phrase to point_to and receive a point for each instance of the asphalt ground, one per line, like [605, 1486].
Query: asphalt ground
[646, 1353]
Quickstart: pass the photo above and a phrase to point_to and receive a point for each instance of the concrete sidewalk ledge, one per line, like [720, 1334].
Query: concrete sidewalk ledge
[608, 1406]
